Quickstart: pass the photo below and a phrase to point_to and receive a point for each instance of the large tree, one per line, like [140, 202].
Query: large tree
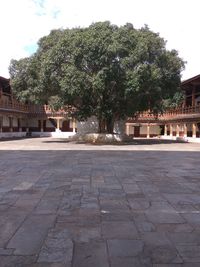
[103, 70]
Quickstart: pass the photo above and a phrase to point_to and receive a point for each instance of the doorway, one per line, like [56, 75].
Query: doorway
[136, 131]
[66, 126]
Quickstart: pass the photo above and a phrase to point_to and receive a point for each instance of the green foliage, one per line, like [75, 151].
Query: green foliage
[103, 70]
[174, 102]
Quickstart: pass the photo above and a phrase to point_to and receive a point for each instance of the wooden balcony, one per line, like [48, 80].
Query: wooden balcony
[182, 113]
[47, 111]
[172, 114]
[14, 106]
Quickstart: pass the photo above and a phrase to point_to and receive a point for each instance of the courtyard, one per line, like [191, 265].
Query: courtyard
[64, 204]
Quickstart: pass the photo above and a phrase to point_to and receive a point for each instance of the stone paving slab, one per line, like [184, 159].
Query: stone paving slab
[76, 205]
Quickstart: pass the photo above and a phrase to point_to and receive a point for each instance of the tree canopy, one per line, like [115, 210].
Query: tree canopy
[103, 70]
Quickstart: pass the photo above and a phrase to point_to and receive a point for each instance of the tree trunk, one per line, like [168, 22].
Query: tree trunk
[102, 125]
[110, 125]
[106, 125]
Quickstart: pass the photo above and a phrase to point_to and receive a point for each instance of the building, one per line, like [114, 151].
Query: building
[183, 122]
[17, 119]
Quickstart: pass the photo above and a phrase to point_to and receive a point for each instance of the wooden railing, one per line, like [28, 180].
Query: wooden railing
[47, 110]
[182, 111]
[172, 113]
[13, 106]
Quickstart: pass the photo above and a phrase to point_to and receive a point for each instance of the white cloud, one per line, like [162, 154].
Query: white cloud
[23, 22]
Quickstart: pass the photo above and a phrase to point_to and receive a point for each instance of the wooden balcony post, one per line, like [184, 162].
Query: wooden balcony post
[171, 130]
[177, 130]
[185, 130]
[165, 129]
[148, 131]
[194, 130]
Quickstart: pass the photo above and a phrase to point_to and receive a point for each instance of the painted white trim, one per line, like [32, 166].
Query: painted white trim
[57, 134]
[186, 139]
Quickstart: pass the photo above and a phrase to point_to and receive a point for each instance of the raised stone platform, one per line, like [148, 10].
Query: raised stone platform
[102, 138]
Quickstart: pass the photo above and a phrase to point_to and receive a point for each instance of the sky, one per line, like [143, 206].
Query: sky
[24, 22]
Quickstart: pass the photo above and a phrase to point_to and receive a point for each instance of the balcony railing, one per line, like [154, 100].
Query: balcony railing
[14, 106]
[47, 110]
[170, 114]
[181, 112]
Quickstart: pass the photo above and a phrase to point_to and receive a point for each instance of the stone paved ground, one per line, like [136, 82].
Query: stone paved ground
[76, 205]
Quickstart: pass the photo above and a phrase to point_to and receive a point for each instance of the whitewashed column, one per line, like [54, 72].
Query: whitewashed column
[148, 131]
[11, 124]
[1, 124]
[171, 130]
[57, 124]
[165, 129]
[74, 125]
[128, 129]
[185, 129]
[177, 130]
[194, 130]
[41, 126]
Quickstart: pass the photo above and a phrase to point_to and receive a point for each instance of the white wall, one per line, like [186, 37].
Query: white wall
[88, 126]
[6, 121]
[91, 126]
[197, 100]
[48, 123]
[33, 122]
[154, 129]
[23, 122]
[12, 134]
[15, 122]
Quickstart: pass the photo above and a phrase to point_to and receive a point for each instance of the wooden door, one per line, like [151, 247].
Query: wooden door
[136, 131]
[66, 126]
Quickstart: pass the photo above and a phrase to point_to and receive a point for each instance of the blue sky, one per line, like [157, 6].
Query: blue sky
[177, 21]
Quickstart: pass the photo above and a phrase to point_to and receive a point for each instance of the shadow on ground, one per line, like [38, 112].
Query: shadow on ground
[133, 142]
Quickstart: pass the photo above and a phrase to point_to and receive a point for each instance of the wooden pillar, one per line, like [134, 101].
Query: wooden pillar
[177, 130]
[165, 129]
[148, 131]
[194, 130]
[74, 125]
[185, 129]
[171, 130]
